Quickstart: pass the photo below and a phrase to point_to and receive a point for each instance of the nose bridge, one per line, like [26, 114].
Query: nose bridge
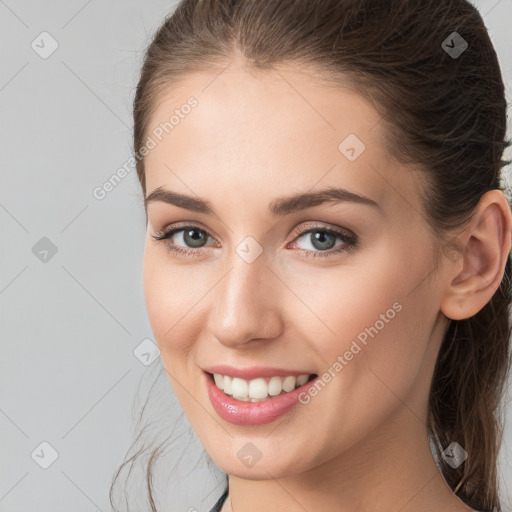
[246, 305]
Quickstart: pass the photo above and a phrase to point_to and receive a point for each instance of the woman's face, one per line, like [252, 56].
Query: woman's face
[262, 286]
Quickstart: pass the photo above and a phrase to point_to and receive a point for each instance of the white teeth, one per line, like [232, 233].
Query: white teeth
[302, 379]
[240, 388]
[219, 380]
[226, 384]
[289, 383]
[257, 390]
[275, 386]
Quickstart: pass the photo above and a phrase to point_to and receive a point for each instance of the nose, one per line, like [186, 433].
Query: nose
[246, 304]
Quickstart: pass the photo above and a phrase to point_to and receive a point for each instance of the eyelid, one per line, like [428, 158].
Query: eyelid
[168, 229]
[311, 226]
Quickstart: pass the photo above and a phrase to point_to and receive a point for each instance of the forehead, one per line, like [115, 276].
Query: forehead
[266, 132]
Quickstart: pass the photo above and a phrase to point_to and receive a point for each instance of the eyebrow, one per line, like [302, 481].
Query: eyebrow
[278, 208]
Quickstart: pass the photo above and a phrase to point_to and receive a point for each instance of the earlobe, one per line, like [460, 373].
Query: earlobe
[476, 275]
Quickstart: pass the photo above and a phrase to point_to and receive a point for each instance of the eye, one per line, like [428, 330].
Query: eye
[191, 236]
[321, 239]
[324, 240]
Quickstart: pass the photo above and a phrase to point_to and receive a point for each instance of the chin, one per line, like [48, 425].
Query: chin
[236, 460]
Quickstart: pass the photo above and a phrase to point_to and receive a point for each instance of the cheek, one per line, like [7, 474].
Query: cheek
[170, 297]
[373, 361]
[365, 318]
[178, 302]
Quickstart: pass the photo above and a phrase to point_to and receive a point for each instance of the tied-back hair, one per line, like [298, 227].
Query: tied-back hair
[444, 114]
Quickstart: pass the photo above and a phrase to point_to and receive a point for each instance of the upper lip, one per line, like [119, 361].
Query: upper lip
[253, 372]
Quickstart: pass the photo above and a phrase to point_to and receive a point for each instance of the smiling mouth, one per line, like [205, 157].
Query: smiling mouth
[259, 389]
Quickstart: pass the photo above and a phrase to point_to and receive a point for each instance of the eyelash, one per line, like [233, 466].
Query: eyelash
[348, 239]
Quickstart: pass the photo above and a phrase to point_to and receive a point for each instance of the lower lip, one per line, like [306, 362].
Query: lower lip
[252, 413]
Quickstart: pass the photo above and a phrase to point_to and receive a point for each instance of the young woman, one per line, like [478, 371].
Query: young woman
[327, 267]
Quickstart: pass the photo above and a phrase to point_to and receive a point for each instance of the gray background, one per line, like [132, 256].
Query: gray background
[70, 323]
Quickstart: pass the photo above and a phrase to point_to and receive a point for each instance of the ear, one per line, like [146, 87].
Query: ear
[477, 274]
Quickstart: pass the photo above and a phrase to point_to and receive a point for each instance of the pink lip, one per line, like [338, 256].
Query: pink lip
[252, 413]
[253, 372]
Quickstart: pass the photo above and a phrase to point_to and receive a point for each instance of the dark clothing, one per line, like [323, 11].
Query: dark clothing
[218, 505]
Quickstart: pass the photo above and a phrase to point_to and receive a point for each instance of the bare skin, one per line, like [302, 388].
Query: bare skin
[361, 443]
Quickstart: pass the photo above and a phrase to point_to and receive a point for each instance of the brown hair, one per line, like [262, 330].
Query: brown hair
[444, 113]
